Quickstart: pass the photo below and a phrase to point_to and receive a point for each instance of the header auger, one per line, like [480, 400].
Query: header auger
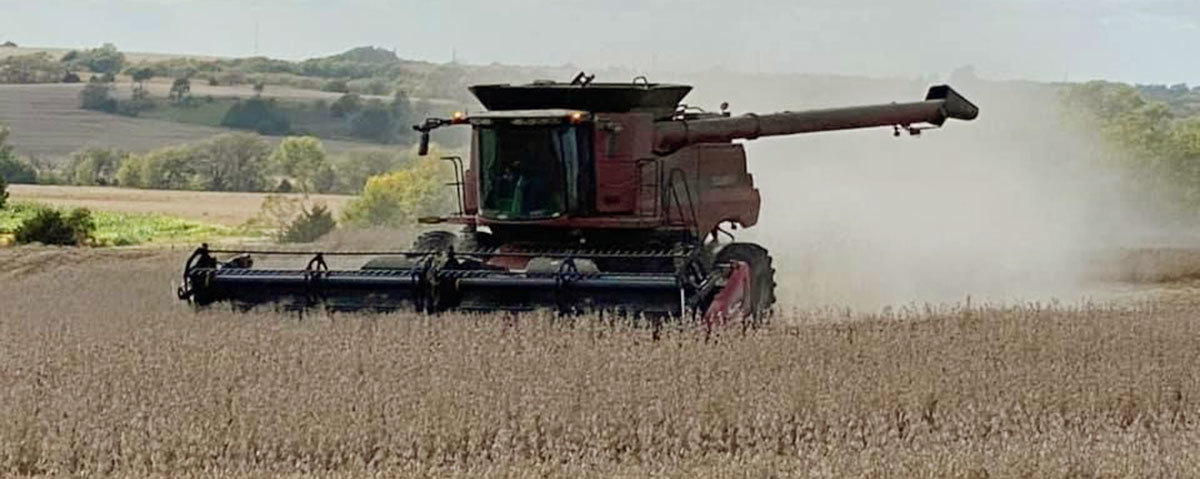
[576, 197]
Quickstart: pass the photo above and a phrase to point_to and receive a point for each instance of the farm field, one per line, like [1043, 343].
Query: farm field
[133, 57]
[47, 123]
[230, 209]
[107, 373]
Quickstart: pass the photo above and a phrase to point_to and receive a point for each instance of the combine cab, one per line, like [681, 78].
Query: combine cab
[577, 197]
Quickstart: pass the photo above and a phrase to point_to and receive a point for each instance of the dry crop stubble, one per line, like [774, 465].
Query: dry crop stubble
[104, 373]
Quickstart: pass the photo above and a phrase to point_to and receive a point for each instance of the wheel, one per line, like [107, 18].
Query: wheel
[762, 276]
[435, 241]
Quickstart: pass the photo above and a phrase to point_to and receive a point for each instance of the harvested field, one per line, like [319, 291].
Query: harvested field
[106, 373]
[46, 122]
[231, 209]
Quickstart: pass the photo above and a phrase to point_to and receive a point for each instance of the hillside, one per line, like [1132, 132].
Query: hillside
[47, 123]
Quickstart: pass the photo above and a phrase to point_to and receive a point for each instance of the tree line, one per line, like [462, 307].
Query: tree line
[229, 162]
[1159, 145]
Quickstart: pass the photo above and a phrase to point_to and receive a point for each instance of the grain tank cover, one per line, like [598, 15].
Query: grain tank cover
[659, 99]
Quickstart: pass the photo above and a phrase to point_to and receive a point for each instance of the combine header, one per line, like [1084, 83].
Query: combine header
[576, 197]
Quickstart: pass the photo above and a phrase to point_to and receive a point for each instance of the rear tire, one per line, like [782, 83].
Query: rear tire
[762, 276]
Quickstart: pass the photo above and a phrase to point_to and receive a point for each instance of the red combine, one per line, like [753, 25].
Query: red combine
[577, 197]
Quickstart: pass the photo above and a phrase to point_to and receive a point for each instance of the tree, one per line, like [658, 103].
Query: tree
[140, 100]
[104, 60]
[301, 157]
[232, 162]
[397, 199]
[336, 86]
[97, 95]
[3, 191]
[181, 91]
[12, 168]
[403, 113]
[94, 167]
[259, 114]
[375, 122]
[33, 68]
[325, 181]
[356, 167]
[171, 168]
[346, 105]
[140, 76]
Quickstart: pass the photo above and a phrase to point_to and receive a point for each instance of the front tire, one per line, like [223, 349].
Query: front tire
[761, 299]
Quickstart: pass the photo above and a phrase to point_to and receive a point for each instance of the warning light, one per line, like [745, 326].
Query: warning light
[458, 117]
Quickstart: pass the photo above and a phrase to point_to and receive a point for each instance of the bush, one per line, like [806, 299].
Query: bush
[3, 191]
[309, 226]
[293, 220]
[52, 227]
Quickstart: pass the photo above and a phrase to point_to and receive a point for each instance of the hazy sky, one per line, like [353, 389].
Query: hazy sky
[1131, 40]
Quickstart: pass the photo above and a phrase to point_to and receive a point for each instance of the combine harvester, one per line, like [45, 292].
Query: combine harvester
[576, 197]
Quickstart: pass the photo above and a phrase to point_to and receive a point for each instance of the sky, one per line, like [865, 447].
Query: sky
[1143, 41]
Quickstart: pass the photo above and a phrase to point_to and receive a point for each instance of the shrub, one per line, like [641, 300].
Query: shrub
[309, 226]
[3, 191]
[52, 227]
[292, 219]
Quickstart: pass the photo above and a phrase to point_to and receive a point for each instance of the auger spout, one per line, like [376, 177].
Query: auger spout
[940, 104]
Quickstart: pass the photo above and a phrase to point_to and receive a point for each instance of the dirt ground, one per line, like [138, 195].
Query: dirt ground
[231, 209]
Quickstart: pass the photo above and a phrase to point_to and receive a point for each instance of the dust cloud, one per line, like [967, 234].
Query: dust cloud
[1015, 206]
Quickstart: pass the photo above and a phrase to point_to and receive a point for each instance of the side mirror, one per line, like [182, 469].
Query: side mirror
[423, 149]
